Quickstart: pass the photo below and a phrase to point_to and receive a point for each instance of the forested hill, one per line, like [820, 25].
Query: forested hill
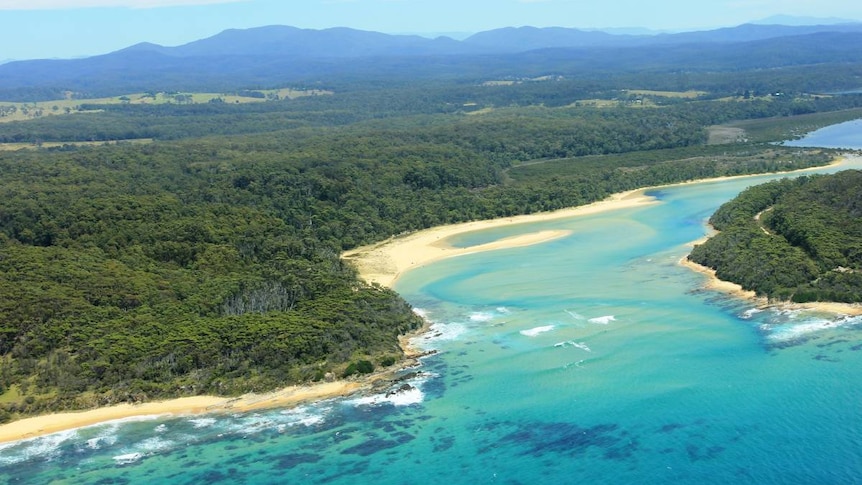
[798, 240]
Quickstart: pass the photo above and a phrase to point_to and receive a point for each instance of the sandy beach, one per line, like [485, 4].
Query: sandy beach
[383, 264]
[285, 397]
[290, 396]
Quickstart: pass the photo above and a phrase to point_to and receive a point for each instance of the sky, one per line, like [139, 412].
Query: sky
[38, 29]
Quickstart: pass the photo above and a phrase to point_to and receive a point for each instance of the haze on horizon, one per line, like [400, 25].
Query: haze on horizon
[35, 29]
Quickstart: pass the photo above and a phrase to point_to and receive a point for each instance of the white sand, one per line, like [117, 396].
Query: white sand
[291, 396]
[384, 262]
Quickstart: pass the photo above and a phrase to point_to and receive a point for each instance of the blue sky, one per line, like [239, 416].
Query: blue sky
[70, 28]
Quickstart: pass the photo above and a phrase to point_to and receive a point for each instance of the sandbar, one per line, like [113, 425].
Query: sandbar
[383, 263]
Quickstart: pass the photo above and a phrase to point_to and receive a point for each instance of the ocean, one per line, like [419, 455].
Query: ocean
[594, 358]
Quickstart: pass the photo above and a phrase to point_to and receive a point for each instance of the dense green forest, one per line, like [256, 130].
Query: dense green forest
[552, 102]
[798, 240]
[208, 261]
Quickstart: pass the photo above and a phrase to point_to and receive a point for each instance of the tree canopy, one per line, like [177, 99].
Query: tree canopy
[798, 240]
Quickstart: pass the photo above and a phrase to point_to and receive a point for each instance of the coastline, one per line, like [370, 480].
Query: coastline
[382, 263]
[713, 282]
[292, 396]
[411, 251]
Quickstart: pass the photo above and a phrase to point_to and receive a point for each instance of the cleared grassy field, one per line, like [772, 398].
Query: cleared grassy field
[16, 111]
[666, 94]
[614, 103]
[723, 134]
[30, 146]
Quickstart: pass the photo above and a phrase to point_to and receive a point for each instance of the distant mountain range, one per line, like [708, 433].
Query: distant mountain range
[279, 55]
[794, 20]
[343, 42]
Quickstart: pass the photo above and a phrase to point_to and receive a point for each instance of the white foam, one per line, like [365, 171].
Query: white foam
[251, 423]
[127, 458]
[156, 444]
[603, 320]
[406, 398]
[788, 332]
[116, 423]
[576, 315]
[106, 437]
[46, 447]
[536, 331]
[97, 442]
[503, 310]
[421, 312]
[8, 458]
[747, 314]
[202, 422]
[160, 428]
[575, 364]
[481, 316]
[790, 313]
[572, 343]
[405, 394]
[400, 398]
[439, 332]
[304, 416]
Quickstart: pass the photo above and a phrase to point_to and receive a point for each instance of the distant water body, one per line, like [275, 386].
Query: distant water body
[843, 135]
[590, 359]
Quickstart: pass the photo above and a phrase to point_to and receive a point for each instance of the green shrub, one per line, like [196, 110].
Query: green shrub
[360, 367]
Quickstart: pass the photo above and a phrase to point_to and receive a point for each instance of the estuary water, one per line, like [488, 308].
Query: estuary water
[595, 358]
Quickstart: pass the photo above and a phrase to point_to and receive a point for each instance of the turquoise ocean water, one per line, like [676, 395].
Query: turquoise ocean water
[594, 358]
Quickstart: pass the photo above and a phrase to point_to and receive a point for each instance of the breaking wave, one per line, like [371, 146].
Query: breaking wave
[572, 343]
[536, 331]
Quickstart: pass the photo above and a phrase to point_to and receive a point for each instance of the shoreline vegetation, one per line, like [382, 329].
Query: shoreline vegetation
[715, 283]
[383, 263]
[286, 397]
